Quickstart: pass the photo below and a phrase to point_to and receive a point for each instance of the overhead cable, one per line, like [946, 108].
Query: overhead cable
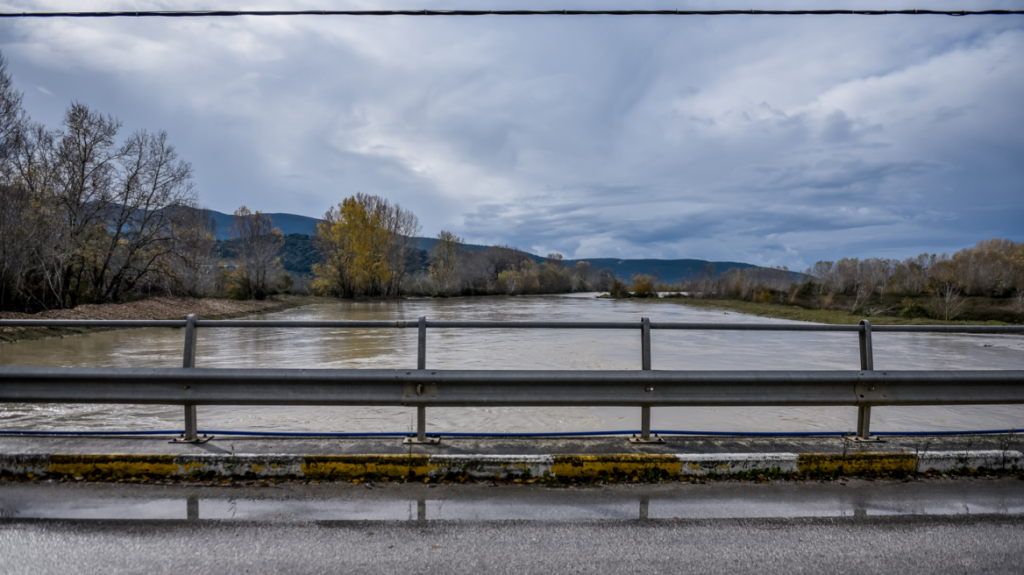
[226, 13]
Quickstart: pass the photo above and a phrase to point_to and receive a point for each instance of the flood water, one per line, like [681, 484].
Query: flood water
[513, 349]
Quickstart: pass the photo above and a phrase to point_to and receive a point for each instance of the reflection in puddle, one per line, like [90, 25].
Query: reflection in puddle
[687, 502]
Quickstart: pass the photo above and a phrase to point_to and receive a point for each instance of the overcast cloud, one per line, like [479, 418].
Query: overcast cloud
[771, 140]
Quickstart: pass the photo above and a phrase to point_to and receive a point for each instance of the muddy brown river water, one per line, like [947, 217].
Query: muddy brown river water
[513, 349]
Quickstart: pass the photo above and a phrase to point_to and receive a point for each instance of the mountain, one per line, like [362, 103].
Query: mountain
[300, 251]
[289, 224]
[668, 271]
[427, 245]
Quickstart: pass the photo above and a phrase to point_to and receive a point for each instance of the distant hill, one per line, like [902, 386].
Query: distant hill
[289, 224]
[298, 253]
[668, 271]
[427, 245]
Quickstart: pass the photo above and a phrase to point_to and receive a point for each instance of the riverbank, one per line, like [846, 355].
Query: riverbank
[151, 308]
[797, 313]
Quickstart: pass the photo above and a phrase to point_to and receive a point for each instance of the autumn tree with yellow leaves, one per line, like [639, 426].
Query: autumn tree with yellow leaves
[363, 244]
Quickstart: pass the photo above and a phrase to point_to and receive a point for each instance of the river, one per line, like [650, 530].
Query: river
[513, 349]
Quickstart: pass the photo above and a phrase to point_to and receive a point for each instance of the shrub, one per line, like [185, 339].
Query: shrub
[913, 310]
[643, 286]
[619, 289]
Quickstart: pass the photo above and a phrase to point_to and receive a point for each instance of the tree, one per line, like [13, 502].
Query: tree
[12, 118]
[553, 276]
[16, 210]
[503, 258]
[18, 237]
[354, 247]
[401, 226]
[603, 279]
[84, 218]
[948, 303]
[581, 277]
[259, 243]
[84, 171]
[706, 281]
[194, 263]
[444, 264]
[153, 191]
[365, 245]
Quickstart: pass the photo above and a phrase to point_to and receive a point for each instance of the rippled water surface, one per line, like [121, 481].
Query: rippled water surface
[513, 349]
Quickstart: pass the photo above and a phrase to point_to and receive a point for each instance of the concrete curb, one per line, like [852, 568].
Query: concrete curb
[586, 467]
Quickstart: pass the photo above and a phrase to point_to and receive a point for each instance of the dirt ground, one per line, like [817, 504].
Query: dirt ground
[152, 308]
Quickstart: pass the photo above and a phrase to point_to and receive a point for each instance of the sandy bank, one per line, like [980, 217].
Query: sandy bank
[152, 308]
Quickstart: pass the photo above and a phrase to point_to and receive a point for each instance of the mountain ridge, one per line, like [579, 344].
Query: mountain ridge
[668, 271]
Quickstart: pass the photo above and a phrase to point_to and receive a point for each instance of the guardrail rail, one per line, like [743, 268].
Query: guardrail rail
[191, 386]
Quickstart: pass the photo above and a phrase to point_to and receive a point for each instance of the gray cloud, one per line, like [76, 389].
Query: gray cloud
[774, 141]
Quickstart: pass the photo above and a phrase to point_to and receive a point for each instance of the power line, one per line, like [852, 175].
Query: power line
[228, 13]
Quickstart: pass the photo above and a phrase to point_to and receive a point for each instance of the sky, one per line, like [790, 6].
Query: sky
[777, 141]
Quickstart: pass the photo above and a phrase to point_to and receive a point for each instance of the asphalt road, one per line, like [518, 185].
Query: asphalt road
[944, 526]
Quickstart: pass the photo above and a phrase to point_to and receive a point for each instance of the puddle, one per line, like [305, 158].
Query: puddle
[330, 504]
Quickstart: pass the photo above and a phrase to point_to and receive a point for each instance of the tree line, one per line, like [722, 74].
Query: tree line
[366, 250]
[929, 285]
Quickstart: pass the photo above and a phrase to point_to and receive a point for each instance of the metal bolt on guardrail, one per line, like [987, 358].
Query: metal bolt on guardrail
[192, 386]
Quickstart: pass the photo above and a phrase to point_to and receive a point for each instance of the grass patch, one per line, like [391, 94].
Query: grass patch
[797, 313]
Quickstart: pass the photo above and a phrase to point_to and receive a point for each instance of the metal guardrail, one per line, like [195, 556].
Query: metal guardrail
[190, 386]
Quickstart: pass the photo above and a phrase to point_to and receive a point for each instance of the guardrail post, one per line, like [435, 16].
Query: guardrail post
[421, 411]
[191, 434]
[645, 362]
[867, 363]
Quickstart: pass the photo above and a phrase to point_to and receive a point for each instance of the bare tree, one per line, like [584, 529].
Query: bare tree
[194, 262]
[1018, 300]
[86, 164]
[444, 264]
[706, 281]
[503, 258]
[259, 244]
[474, 272]
[19, 234]
[603, 279]
[948, 302]
[582, 277]
[153, 189]
[12, 119]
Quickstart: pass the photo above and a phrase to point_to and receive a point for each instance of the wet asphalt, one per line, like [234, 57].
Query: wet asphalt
[954, 525]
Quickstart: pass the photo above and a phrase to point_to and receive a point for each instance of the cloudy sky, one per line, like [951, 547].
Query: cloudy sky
[771, 140]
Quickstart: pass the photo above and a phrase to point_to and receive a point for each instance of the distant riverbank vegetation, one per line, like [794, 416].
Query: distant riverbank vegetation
[982, 283]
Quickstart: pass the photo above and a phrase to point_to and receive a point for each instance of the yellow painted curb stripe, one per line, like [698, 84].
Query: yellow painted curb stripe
[350, 466]
[857, 463]
[117, 465]
[597, 465]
